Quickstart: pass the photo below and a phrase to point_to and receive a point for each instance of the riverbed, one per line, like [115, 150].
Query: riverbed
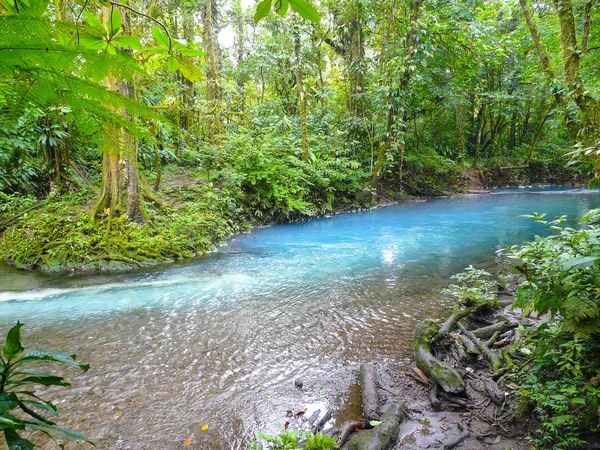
[220, 340]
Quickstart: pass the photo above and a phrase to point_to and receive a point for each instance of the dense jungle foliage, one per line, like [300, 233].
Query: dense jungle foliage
[138, 132]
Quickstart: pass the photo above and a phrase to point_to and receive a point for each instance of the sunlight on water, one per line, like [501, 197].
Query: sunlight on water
[222, 338]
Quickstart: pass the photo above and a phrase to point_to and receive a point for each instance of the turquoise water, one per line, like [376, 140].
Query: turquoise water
[221, 339]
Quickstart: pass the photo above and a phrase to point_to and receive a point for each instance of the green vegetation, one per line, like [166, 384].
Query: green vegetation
[289, 440]
[17, 394]
[562, 384]
[145, 137]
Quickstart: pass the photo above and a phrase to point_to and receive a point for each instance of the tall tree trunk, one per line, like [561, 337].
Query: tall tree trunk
[301, 96]
[212, 74]
[121, 192]
[588, 105]
[356, 62]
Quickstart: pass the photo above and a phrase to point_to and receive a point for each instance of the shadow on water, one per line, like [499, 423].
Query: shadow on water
[220, 340]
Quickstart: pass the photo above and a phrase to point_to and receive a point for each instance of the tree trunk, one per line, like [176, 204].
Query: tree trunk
[120, 192]
[212, 74]
[301, 96]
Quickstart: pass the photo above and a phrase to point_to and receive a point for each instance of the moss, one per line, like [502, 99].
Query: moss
[62, 235]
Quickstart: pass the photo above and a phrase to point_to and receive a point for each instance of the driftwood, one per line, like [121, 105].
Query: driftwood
[464, 433]
[368, 385]
[321, 423]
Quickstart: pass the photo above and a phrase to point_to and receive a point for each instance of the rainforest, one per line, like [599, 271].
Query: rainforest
[299, 224]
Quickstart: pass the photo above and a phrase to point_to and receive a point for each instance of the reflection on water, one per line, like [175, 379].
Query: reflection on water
[220, 340]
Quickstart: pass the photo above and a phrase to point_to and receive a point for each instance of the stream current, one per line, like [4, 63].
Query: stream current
[220, 340]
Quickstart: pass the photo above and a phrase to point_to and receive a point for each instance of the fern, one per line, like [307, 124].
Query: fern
[43, 64]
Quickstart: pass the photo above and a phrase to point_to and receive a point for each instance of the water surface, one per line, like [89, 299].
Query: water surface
[220, 340]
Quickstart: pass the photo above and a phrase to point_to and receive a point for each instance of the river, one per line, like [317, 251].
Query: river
[219, 340]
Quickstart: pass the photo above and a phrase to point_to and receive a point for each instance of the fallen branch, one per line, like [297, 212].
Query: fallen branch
[464, 433]
[347, 429]
[321, 423]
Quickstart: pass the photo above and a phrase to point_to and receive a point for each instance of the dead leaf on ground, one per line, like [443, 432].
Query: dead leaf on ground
[187, 442]
[300, 411]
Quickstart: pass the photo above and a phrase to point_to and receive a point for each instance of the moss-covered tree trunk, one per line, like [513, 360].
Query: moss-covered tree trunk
[301, 96]
[213, 91]
[121, 192]
[588, 105]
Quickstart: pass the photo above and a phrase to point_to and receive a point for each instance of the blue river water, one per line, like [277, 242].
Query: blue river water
[220, 340]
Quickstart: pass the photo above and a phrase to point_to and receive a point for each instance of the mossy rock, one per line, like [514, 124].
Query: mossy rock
[384, 435]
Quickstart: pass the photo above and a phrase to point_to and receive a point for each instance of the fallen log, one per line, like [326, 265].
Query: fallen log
[368, 386]
[438, 371]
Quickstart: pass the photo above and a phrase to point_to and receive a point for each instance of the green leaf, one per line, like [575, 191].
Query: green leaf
[188, 69]
[114, 22]
[262, 10]
[172, 63]
[374, 423]
[39, 354]
[578, 401]
[62, 432]
[160, 37]
[306, 10]
[15, 442]
[46, 406]
[594, 181]
[130, 42]
[13, 346]
[92, 43]
[282, 7]
[44, 381]
[8, 401]
[91, 19]
[582, 262]
[191, 51]
[10, 421]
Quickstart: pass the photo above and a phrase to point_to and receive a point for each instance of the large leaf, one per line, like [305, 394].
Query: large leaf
[130, 42]
[160, 37]
[13, 346]
[281, 7]
[262, 10]
[39, 354]
[582, 262]
[16, 442]
[8, 421]
[114, 22]
[306, 10]
[44, 381]
[62, 432]
[8, 401]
